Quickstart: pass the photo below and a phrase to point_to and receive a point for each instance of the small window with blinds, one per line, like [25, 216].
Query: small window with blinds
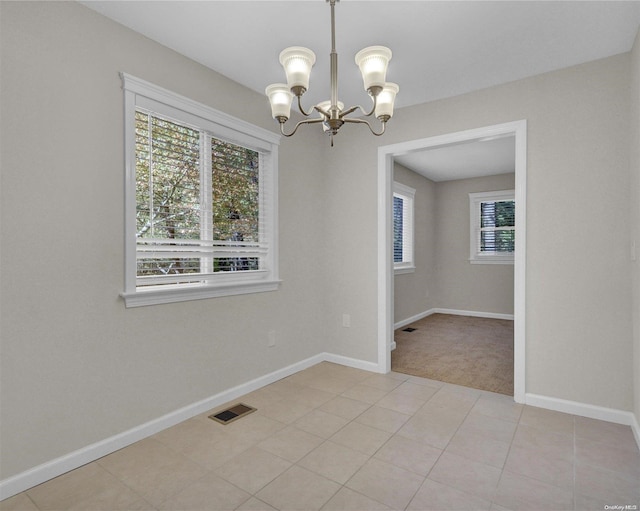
[403, 229]
[200, 202]
[492, 227]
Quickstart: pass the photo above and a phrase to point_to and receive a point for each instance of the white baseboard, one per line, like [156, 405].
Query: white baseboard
[455, 312]
[351, 362]
[41, 473]
[586, 410]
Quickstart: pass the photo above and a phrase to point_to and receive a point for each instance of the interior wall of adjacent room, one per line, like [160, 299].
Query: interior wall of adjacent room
[578, 320]
[77, 367]
[461, 285]
[414, 293]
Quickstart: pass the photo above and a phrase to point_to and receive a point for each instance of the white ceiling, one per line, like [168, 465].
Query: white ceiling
[464, 160]
[440, 48]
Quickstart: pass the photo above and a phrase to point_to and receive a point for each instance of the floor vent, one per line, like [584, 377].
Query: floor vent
[232, 414]
[409, 329]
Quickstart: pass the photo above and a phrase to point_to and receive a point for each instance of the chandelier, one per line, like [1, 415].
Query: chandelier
[297, 63]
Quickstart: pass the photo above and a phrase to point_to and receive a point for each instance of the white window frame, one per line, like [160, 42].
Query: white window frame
[407, 194]
[141, 94]
[475, 254]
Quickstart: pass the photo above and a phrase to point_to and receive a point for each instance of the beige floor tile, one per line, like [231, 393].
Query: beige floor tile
[496, 507]
[254, 427]
[584, 503]
[477, 448]
[311, 397]
[399, 486]
[334, 461]
[383, 418]
[153, 470]
[488, 427]
[524, 494]
[545, 442]
[433, 495]
[334, 384]
[262, 397]
[349, 500]
[192, 435]
[253, 469]
[616, 435]
[409, 454]
[606, 456]
[361, 438]
[541, 466]
[286, 411]
[383, 382]
[211, 493]
[254, 504]
[20, 502]
[344, 407]
[321, 423]
[212, 456]
[364, 393]
[298, 489]
[422, 392]
[291, 443]
[425, 381]
[401, 402]
[606, 484]
[499, 407]
[548, 420]
[465, 475]
[436, 429]
[88, 487]
[451, 398]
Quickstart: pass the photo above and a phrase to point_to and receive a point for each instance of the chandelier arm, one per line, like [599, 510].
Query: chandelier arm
[366, 114]
[360, 121]
[302, 110]
[306, 121]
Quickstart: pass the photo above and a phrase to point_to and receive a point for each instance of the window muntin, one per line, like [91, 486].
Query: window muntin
[201, 200]
[403, 228]
[492, 227]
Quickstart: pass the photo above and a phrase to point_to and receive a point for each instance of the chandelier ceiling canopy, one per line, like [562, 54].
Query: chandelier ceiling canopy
[298, 61]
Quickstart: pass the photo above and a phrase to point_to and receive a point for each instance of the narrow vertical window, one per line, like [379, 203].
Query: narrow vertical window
[403, 228]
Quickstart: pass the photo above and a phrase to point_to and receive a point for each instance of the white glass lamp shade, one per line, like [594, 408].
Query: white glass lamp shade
[297, 63]
[280, 98]
[385, 100]
[373, 62]
[326, 105]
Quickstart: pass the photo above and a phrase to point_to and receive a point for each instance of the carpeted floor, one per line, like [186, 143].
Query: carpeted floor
[465, 350]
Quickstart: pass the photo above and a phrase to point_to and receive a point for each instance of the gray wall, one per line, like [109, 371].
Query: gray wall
[415, 292]
[578, 319]
[635, 214]
[77, 367]
[462, 285]
[444, 277]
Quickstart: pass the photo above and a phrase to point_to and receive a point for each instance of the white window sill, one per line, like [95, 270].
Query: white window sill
[398, 270]
[156, 295]
[491, 261]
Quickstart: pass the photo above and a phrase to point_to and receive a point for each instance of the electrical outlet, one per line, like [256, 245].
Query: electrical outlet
[272, 338]
[346, 320]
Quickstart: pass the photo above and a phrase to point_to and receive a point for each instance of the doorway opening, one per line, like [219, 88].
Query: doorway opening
[386, 160]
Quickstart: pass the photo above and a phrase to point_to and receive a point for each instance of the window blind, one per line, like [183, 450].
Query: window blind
[197, 204]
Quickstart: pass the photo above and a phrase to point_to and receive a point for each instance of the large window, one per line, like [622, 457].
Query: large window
[200, 200]
[403, 230]
[492, 227]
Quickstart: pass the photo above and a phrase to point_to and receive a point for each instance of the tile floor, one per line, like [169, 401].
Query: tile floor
[336, 438]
